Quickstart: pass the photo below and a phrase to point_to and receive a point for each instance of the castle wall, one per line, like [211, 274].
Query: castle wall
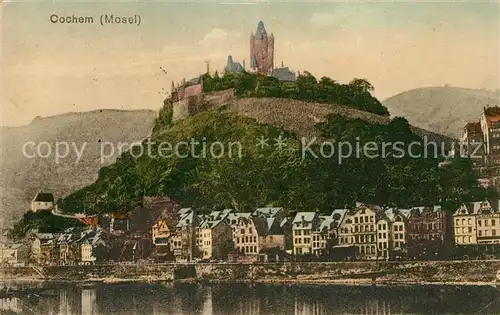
[187, 106]
[192, 104]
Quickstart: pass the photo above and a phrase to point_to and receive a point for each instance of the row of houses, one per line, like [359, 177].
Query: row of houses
[162, 231]
[267, 234]
[372, 232]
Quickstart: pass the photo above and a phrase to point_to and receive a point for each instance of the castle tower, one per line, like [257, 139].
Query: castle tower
[261, 50]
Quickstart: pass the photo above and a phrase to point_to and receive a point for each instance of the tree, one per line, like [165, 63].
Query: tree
[362, 84]
[307, 87]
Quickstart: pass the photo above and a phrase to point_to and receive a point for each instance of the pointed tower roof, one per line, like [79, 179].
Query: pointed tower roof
[261, 30]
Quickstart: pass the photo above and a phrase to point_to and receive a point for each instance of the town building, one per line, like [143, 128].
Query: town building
[42, 201]
[42, 248]
[183, 238]
[214, 236]
[303, 226]
[260, 237]
[429, 232]
[391, 232]
[322, 237]
[66, 246]
[359, 230]
[473, 145]
[247, 236]
[482, 143]
[488, 222]
[233, 218]
[464, 223]
[14, 254]
[119, 222]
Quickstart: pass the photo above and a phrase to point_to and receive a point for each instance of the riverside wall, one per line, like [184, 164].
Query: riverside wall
[467, 272]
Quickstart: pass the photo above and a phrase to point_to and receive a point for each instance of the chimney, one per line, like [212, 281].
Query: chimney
[282, 64]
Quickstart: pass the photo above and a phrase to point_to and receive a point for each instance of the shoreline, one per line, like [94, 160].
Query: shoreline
[457, 273]
[315, 282]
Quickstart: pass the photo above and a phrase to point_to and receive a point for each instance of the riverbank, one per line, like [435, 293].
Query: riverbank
[345, 273]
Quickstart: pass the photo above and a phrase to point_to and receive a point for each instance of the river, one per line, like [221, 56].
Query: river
[244, 299]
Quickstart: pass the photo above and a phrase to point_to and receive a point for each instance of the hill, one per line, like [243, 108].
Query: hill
[256, 176]
[21, 176]
[444, 110]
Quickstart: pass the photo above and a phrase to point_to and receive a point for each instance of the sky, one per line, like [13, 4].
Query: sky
[49, 69]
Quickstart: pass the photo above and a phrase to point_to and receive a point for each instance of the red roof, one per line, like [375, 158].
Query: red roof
[492, 114]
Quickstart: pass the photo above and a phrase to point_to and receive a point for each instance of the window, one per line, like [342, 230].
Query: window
[355, 219]
[493, 232]
[469, 221]
[361, 220]
[492, 222]
[470, 229]
[479, 223]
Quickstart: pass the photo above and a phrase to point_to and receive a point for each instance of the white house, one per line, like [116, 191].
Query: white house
[42, 201]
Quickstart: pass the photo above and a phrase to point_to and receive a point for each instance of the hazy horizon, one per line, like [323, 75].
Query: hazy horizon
[50, 69]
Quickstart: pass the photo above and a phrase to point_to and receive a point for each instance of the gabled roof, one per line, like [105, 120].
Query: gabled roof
[237, 215]
[391, 213]
[492, 114]
[44, 197]
[305, 217]
[267, 212]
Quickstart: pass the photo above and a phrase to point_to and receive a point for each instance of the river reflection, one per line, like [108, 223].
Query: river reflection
[234, 299]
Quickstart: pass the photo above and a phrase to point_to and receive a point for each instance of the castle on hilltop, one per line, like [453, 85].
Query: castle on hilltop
[188, 96]
[262, 57]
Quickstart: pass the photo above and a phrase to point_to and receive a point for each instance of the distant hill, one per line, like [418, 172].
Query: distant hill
[443, 110]
[21, 177]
